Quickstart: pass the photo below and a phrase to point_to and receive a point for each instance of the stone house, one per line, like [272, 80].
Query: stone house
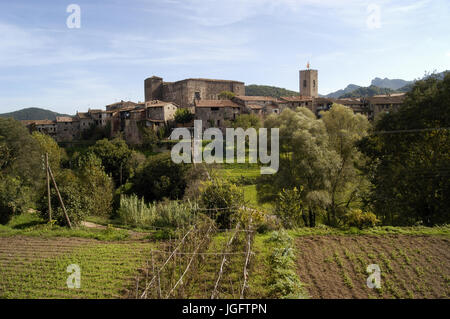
[215, 113]
[67, 128]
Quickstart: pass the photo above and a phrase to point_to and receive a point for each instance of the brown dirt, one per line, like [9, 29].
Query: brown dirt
[411, 266]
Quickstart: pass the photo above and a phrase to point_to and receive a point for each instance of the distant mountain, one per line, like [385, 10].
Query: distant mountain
[33, 113]
[265, 90]
[393, 84]
[367, 92]
[339, 93]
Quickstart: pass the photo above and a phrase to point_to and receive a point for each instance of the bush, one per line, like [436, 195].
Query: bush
[75, 200]
[283, 280]
[222, 199]
[14, 198]
[160, 178]
[289, 207]
[358, 218]
[97, 187]
[134, 211]
[183, 116]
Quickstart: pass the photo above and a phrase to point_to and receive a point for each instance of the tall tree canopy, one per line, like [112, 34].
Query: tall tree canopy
[410, 157]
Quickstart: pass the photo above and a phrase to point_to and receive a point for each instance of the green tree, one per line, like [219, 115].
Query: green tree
[409, 157]
[73, 195]
[226, 95]
[246, 121]
[345, 129]
[306, 160]
[49, 146]
[97, 187]
[21, 156]
[15, 198]
[222, 200]
[160, 178]
[115, 156]
[183, 116]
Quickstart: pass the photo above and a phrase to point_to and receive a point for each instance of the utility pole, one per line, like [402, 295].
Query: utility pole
[48, 189]
[59, 197]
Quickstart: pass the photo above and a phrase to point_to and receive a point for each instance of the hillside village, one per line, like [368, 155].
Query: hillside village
[202, 98]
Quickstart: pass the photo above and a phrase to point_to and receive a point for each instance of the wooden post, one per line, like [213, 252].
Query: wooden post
[48, 190]
[59, 197]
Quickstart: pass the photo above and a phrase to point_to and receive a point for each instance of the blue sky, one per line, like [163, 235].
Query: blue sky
[45, 64]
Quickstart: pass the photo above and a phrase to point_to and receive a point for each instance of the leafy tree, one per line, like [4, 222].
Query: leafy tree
[345, 129]
[183, 116]
[222, 199]
[115, 156]
[48, 145]
[226, 95]
[21, 155]
[409, 157]
[75, 200]
[306, 160]
[14, 198]
[97, 187]
[160, 178]
[246, 121]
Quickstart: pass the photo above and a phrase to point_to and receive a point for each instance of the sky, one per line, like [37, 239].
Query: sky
[47, 62]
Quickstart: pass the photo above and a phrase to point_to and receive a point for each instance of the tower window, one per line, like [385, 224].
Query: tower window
[304, 83]
[197, 95]
[314, 83]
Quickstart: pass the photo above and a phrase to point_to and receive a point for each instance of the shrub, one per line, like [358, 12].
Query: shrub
[14, 198]
[97, 187]
[160, 177]
[283, 280]
[75, 200]
[223, 199]
[289, 207]
[358, 218]
[134, 211]
[183, 116]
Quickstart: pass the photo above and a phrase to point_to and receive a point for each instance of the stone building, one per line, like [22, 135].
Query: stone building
[309, 83]
[67, 128]
[159, 113]
[216, 113]
[185, 92]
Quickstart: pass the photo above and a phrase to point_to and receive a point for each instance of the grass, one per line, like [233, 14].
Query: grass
[377, 231]
[107, 271]
[30, 224]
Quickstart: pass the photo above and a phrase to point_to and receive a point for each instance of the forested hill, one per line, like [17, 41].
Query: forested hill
[367, 91]
[265, 90]
[33, 113]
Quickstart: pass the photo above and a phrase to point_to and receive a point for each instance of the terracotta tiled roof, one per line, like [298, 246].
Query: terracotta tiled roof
[215, 103]
[157, 103]
[83, 115]
[298, 98]
[64, 119]
[207, 80]
[256, 98]
[255, 106]
[38, 122]
[396, 99]
[349, 101]
[96, 111]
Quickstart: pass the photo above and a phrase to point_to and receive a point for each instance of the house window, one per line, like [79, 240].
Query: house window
[214, 109]
[197, 95]
[304, 83]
